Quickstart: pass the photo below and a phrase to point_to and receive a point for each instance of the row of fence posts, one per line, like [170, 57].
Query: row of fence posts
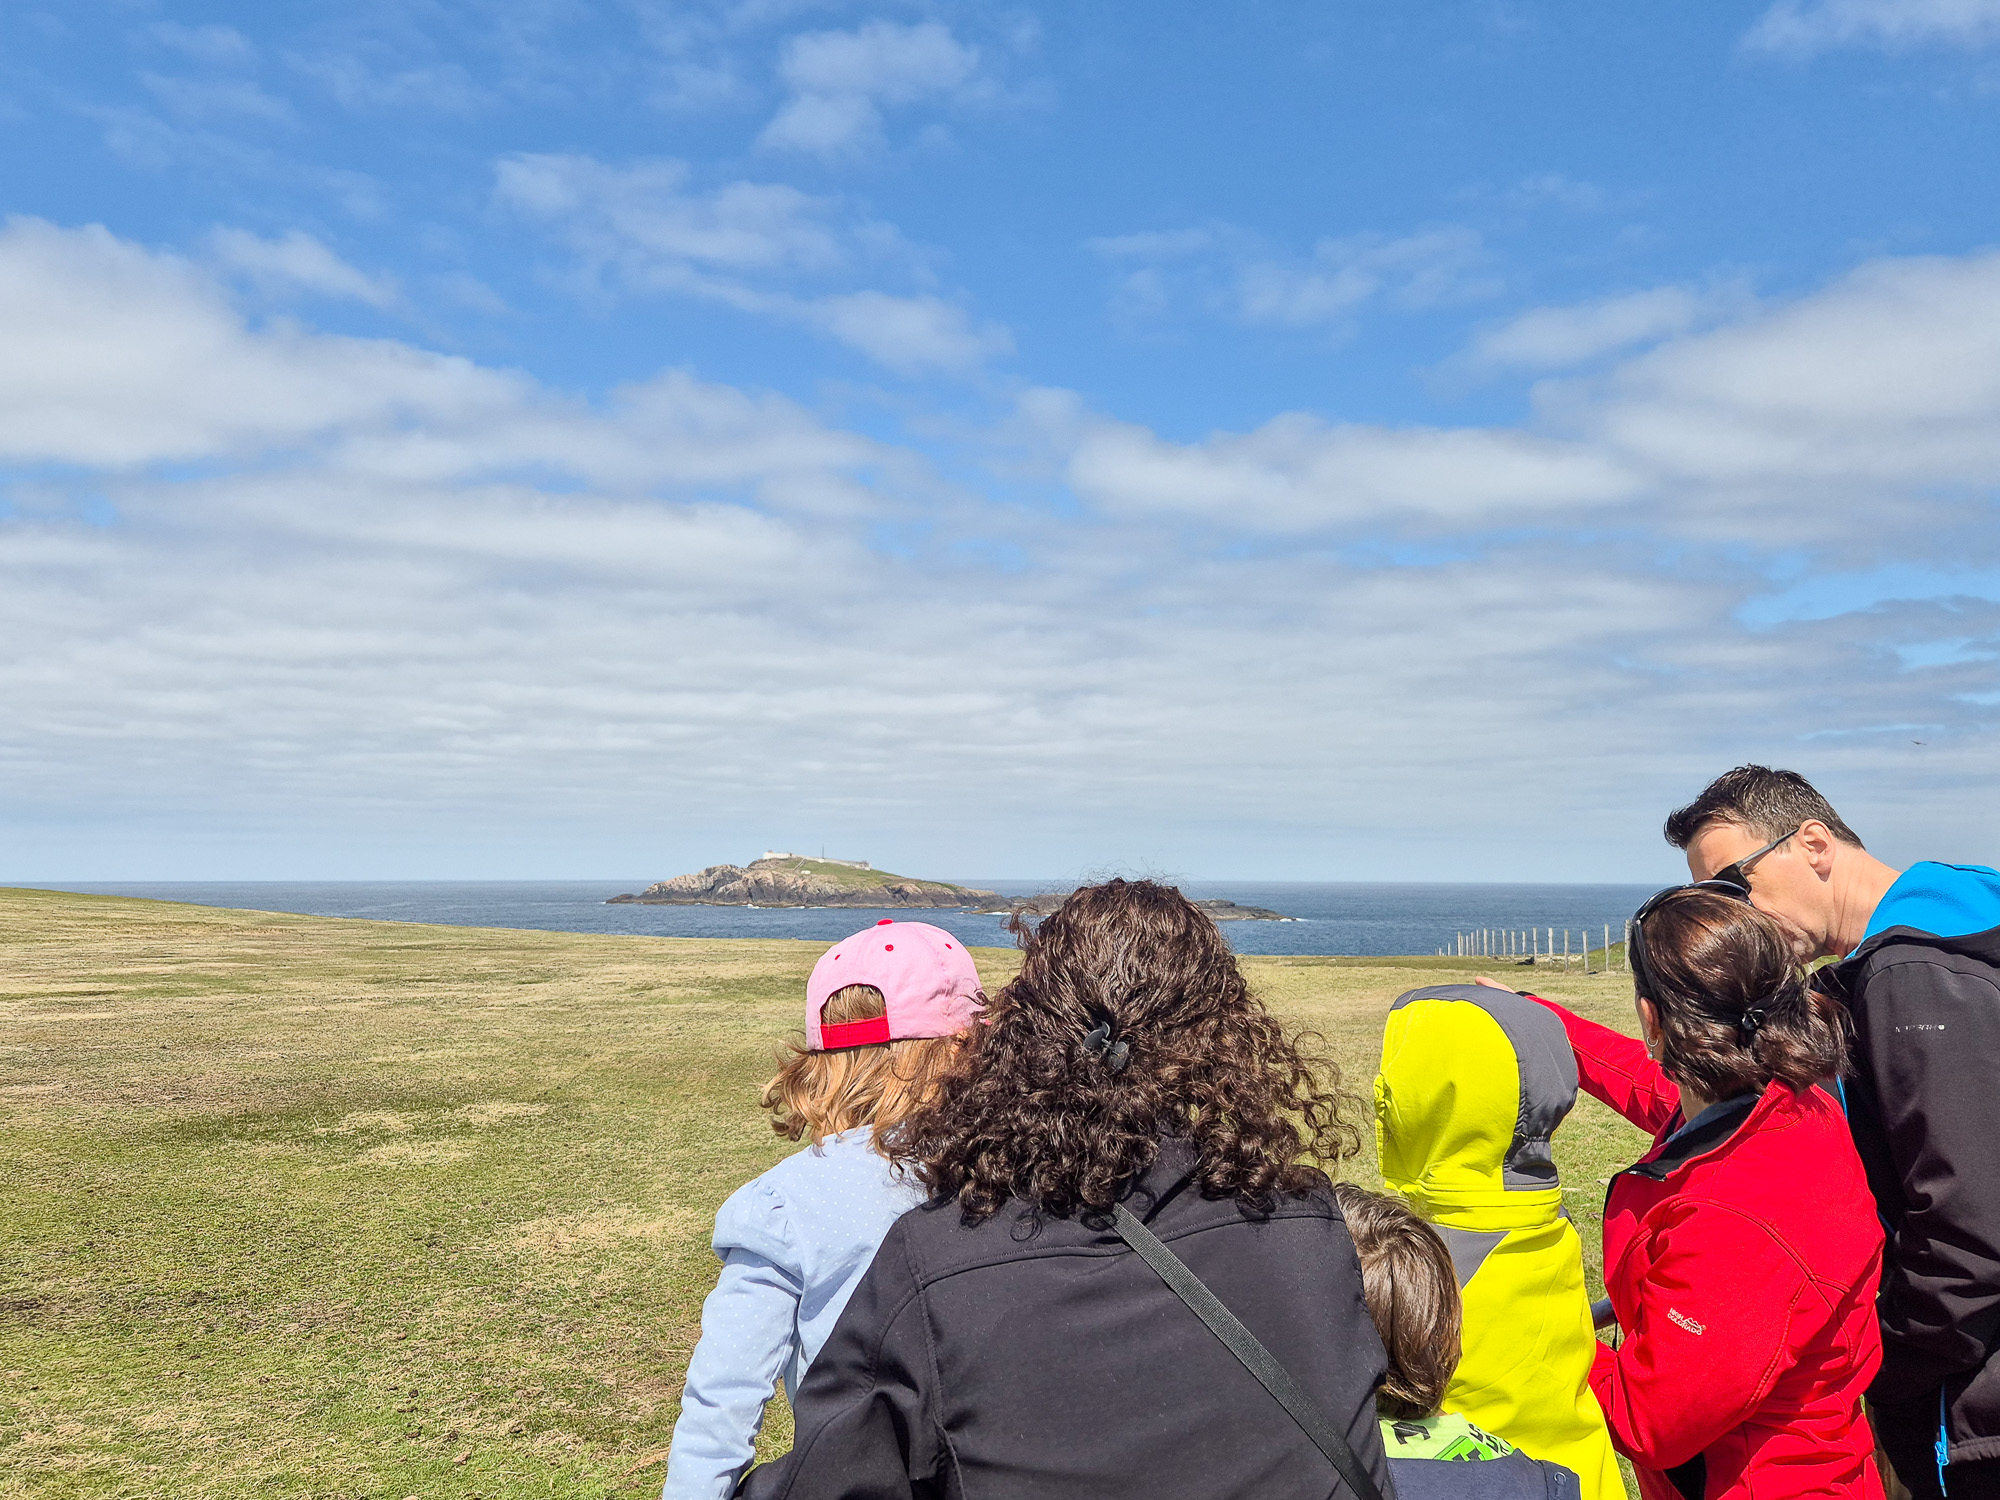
[1535, 945]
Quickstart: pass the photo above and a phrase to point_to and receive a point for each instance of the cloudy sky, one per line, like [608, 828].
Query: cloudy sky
[560, 438]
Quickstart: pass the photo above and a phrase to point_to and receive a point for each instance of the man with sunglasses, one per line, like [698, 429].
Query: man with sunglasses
[1920, 976]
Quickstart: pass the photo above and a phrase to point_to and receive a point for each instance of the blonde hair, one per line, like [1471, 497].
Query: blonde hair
[818, 1094]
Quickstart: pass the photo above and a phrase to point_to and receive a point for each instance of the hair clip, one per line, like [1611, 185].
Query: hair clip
[1752, 1021]
[1097, 1043]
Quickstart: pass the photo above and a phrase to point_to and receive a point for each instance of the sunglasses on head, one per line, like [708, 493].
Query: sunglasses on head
[1642, 974]
[1737, 873]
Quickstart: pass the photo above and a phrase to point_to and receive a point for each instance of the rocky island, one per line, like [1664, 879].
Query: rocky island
[781, 879]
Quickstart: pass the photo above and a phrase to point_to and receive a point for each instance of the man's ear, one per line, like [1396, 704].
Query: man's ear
[1817, 843]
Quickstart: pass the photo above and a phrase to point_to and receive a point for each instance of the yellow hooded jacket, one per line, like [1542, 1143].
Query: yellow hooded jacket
[1474, 1082]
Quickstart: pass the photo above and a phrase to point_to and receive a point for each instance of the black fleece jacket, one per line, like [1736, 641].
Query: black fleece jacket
[1043, 1360]
[1924, 1104]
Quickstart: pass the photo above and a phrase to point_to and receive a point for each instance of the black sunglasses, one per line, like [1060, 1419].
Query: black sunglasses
[1738, 872]
[1642, 973]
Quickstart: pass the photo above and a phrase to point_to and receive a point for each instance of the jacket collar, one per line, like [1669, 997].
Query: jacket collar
[1710, 1132]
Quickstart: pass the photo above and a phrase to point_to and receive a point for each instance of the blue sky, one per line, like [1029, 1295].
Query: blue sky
[1351, 441]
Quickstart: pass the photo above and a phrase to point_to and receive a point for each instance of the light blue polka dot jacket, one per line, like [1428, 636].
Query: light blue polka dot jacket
[793, 1244]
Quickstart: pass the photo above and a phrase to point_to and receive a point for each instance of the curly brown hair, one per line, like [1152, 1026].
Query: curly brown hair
[1129, 1022]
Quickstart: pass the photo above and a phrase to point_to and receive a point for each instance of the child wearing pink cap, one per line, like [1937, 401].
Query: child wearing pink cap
[884, 1009]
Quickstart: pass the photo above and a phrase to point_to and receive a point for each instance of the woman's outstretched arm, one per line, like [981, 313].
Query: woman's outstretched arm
[1614, 1069]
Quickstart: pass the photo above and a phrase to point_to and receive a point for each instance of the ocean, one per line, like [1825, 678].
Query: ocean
[1329, 917]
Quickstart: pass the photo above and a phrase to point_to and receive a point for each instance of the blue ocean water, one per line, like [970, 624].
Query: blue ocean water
[1330, 918]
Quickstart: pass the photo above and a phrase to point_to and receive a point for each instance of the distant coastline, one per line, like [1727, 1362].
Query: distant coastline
[1333, 918]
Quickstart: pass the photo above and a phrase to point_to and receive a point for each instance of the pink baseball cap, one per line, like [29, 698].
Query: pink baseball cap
[929, 986]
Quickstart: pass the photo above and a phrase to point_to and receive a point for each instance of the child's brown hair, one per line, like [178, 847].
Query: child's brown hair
[818, 1094]
[1412, 1295]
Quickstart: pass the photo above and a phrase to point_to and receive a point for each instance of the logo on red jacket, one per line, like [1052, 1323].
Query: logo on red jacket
[1675, 1315]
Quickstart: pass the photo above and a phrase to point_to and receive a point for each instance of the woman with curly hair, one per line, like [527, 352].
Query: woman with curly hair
[1009, 1338]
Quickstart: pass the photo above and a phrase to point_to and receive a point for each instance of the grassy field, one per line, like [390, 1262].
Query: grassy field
[296, 1206]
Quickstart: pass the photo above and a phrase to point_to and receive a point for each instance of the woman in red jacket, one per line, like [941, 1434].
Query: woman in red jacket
[1742, 1251]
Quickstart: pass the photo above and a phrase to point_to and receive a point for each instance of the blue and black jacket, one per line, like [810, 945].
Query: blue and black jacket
[1923, 1102]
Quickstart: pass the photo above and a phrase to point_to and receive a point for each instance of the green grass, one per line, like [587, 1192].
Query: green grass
[297, 1206]
[846, 875]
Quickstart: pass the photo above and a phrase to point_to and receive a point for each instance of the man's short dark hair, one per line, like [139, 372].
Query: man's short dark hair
[1769, 803]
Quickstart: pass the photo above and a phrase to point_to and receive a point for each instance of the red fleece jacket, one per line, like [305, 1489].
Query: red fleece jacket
[1742, 1261]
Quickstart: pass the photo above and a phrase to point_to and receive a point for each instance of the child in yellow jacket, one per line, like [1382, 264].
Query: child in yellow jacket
[1474, 1082]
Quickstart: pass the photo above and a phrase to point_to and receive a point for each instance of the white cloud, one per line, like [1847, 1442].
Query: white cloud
[297, 261]
[643, 220]
[397, 603]
[1805, 27]
[695, 87]
[1559, 190]
[1884, 385]
[1554, 338]
[216, 45]
[119, 358]
[1299, 474]
[1891, 375]
[840, 80]
[358, 83]
[1163, 245]
[750, 246]
[1237, 273]
[882, 60]
[910, 334]
[1419, 270]
[206, 98]
[115, 356]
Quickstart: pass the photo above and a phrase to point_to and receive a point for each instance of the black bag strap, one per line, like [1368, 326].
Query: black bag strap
[1245, 1345]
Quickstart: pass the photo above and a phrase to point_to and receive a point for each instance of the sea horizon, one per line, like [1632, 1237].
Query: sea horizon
[1329, 918]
